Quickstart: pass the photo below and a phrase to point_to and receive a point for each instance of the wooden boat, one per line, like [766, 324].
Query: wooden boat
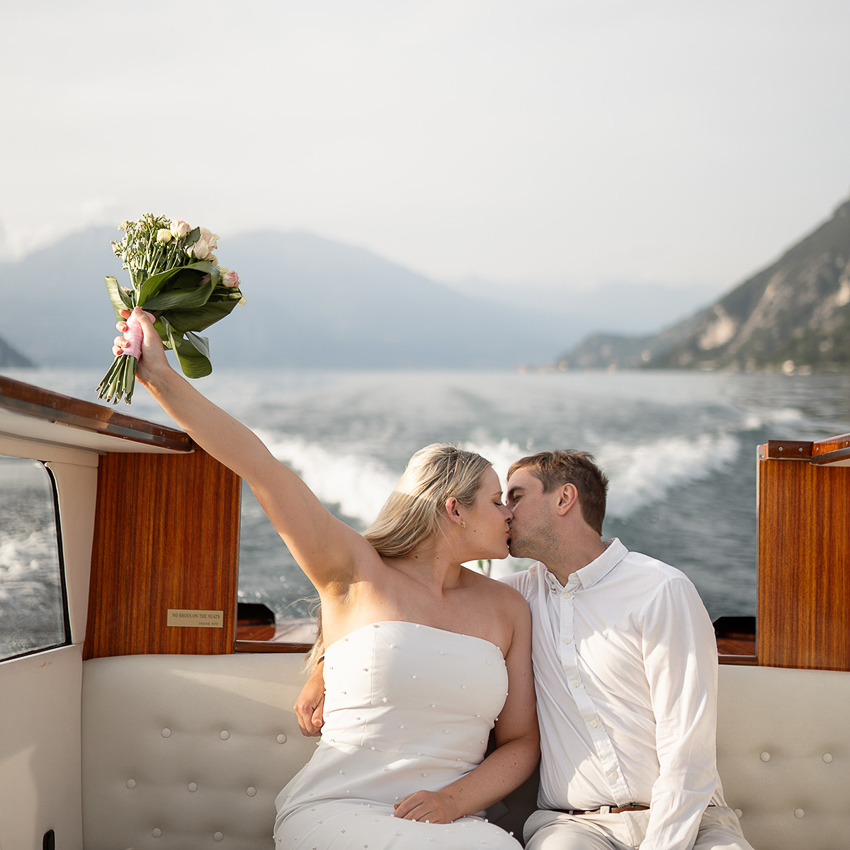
[156, 720]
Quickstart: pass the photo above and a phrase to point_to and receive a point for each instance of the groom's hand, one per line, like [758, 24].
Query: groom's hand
[310, 705]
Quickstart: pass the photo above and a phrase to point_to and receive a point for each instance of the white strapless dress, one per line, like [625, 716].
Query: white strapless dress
[407, 708]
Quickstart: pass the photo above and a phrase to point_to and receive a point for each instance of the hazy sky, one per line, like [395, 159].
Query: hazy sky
[538, 141]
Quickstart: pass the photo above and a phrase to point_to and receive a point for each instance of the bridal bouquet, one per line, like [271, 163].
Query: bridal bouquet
[176, 278]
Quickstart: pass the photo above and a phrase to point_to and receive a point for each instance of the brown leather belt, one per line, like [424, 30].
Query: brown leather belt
[614, 810]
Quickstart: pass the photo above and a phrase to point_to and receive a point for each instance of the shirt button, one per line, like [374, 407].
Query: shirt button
[593, 723]
[614, 775]
[567, 594]
[575, 683]
[567, 640]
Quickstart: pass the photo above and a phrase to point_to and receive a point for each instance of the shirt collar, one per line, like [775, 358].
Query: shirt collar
[596, 570]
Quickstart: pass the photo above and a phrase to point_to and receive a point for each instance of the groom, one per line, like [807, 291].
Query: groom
[625, 668]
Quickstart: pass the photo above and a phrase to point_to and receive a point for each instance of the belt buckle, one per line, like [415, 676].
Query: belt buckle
[631, 807]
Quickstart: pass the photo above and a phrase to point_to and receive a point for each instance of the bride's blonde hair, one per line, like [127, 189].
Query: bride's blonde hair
[433, 475]
[412, 512]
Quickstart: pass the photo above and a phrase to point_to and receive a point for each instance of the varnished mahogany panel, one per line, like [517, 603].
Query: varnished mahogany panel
[832, 450]
[804, 565]
[166, 536]
[831, 444]
[271, 646]
[786, 449]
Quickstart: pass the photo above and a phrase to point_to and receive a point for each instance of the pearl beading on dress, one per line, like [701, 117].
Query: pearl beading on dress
[371, 708]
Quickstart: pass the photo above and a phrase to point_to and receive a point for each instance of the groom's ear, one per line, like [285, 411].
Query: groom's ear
[567, 499]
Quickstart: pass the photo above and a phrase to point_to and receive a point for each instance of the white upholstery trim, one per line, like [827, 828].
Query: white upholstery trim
[40, 749]
[183, 752]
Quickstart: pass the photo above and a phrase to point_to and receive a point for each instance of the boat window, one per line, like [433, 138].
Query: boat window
[33, 612]
[270, 581]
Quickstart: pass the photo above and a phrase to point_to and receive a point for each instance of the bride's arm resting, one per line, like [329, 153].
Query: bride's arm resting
[323, 546]
[517, 742]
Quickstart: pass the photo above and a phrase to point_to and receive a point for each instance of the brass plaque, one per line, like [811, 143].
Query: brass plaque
[190, 618]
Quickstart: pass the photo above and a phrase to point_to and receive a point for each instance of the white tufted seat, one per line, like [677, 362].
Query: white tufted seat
[185, 751]
[783, 752]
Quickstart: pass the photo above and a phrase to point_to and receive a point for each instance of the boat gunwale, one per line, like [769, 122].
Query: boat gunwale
[37, 402]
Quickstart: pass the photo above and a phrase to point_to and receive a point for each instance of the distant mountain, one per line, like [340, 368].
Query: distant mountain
[793, 316]
[311, 302]
[55, 307]
[615, 351]
[11, 358]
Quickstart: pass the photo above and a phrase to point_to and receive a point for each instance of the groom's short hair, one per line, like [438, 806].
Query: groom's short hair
[569, 466]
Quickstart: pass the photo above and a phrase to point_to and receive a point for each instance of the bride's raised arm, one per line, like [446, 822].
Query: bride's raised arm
[324, 547]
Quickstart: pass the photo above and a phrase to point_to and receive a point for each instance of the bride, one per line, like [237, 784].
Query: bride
[423, 657]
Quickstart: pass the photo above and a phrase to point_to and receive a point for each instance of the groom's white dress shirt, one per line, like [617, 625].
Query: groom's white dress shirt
[625, 667]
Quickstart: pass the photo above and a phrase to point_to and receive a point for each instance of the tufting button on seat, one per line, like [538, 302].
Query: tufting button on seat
[156, 832]
[166, 732]
[131, 783]
[224, 734]
[192, 786]
[798, 813]
[738, 813]
[765, 756]
[219, 836]
[281, 738]
[251, 791]
[827, 757]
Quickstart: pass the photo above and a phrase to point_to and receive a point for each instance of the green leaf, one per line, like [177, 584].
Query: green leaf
[181, 299]
[120, 299]
[161, 326]
[201, 343]
[176, 278]
[151, 285]
[200, 318]
[194, 363]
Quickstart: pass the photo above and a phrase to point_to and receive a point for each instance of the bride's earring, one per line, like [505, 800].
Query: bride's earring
[462, 524]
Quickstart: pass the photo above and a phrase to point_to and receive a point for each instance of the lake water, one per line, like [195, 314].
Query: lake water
[679, 449]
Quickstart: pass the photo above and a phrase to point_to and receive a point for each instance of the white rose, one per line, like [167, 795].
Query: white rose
[200, 250]
[179, 228]
[210, 238]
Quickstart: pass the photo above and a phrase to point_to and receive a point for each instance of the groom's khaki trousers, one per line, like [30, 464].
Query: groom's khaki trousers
[544, 830]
